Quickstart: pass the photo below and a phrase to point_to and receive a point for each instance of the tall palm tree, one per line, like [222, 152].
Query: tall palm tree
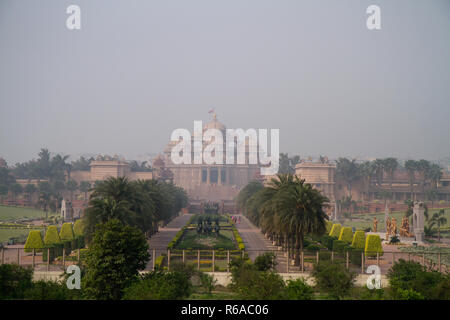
[348, 171]
[411, 167]
[439, 219]
[367, 171]
[423, 167]
[300, 211]
[390, 166]
[84, 187]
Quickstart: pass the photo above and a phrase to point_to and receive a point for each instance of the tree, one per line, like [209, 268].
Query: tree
[367, 171]
[84, 187]
[348, 171]
[333, 278]
[16, 189]
[30, 189]
[439, 219]
[72, 186]
[287, 164]
[113, 260]
[411, 167]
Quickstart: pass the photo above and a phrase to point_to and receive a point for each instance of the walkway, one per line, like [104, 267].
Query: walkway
[256, 244]
[161, 239]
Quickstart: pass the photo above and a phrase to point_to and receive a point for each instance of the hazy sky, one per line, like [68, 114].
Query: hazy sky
[139, 69]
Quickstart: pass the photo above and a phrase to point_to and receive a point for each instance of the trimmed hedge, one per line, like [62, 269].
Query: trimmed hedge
[66, 233]
[159, 261]
[335, 230]
[359, 240]
[34, 241]
[78, 227]
[328, 226]
[346, 235]
[373, 245]
[51, 236]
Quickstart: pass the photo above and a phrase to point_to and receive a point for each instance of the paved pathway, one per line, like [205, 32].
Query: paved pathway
[160, 240]
[256, 244]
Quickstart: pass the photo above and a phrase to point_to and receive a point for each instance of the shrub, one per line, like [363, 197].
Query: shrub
[51, 236]
[313, 247]
[66, 233]
[50, 290]
[335, 230]
[409, 294]
[251, 284]
[333, 278]
[159, 285]
[406, 278]
[265, 262]
[373, 246]
[394, 240]
[34, 241]
[14, 281]
[346, 235]
[339, 246]
[354, 255]
[359, 240]
[115, 256]
[78, 227]
[324, 256]
[299, 290]
[327, 241]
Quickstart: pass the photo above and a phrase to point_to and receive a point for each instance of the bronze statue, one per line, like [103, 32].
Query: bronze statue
[388, 228]
[375, 224]
[394, 227]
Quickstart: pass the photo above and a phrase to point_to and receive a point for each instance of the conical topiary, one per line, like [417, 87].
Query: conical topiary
[34, 241]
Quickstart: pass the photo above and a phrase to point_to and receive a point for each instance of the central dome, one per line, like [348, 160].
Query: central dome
[215, 124]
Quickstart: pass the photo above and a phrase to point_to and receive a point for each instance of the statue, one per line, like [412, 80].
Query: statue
[404, 228]
[388, 228]
[375, 224]
[394, 227]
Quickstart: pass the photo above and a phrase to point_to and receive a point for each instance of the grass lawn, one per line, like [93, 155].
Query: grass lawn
[192, 240]
[363, 221]
[9, 213]
[5, 234]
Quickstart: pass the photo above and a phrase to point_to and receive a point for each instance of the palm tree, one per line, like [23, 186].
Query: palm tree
[411, 167]
[30, 189]
[300, 211]
[348, 171]
[72, 186]
[16, 189]
[423, 167]
[84, 187]
[390, 165]
[367, 171]
[439, 219]
[380, 167]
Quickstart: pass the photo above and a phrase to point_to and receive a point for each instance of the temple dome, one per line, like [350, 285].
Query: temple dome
[215, 124]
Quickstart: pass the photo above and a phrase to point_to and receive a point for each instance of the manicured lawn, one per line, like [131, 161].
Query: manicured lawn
[363, 221]
[5, 234]
[192, 240]
[8, 213]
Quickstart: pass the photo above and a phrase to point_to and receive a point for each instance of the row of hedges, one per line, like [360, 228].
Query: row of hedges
[342, 239]
[238, 238]
[66, 240]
